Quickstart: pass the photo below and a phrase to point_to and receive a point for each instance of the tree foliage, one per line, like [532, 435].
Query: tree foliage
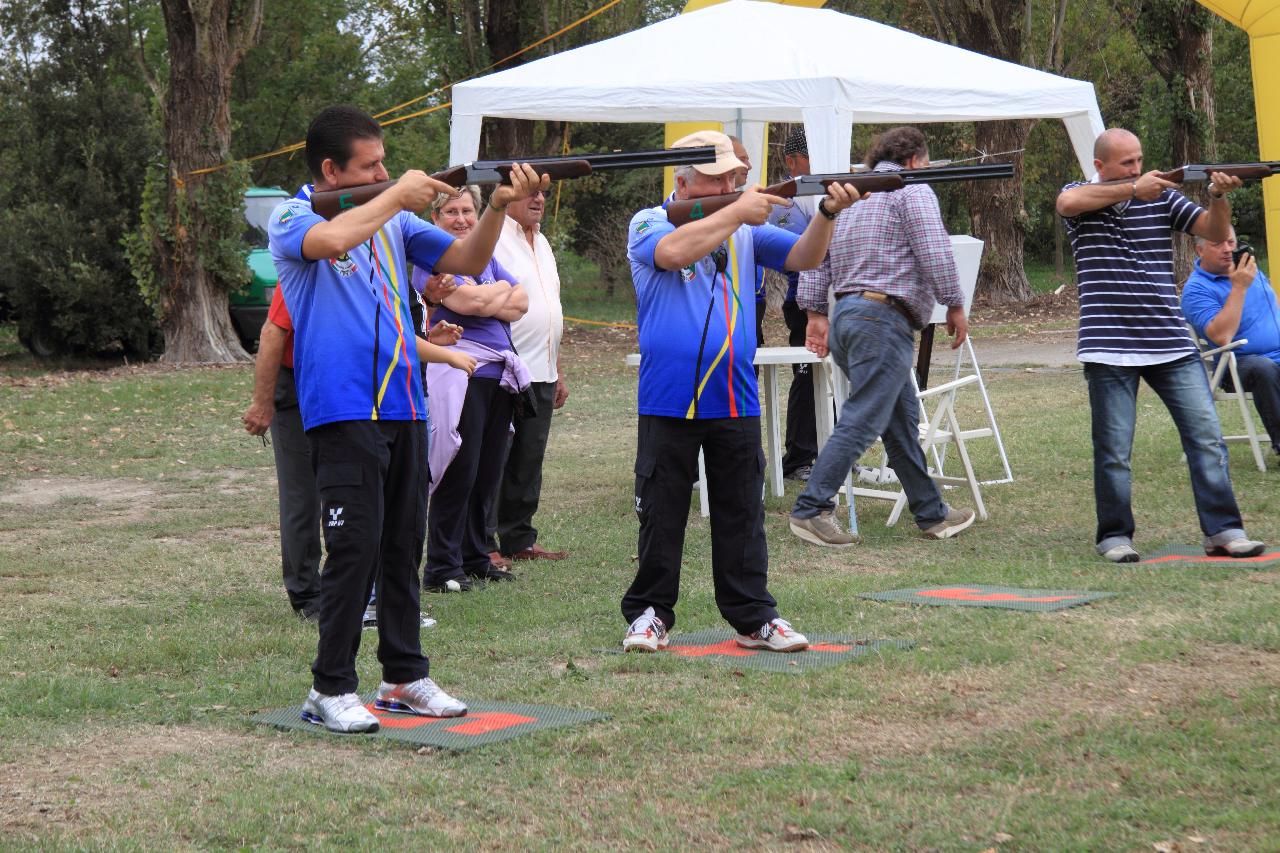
[75, 137]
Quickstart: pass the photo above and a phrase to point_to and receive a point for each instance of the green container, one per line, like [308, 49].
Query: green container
[249, 304]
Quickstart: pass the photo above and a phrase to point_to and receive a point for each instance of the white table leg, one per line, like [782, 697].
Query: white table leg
[773, 458]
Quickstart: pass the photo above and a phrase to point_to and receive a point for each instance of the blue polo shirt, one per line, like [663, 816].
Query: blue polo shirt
[354, 353]
[1204, 294]
[697, 325]
[794, 219]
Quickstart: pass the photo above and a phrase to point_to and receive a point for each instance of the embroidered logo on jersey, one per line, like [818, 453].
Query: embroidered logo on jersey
[643, 227]
[343, 264]
[286, 215]
[335, 517]
[784, 220]
[688, 273]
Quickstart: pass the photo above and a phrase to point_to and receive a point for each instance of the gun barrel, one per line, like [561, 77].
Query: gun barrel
[619, 159]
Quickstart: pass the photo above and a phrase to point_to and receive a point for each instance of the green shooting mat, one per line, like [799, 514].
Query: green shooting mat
[716, 645]
[484, 723]
[1192, 554]
[981, 595]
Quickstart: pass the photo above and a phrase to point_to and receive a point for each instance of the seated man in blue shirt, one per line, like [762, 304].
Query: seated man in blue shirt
[1226, 302]
[697, 323]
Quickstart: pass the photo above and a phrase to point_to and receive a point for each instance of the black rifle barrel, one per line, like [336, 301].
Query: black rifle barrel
[620, 159]
[939, 174]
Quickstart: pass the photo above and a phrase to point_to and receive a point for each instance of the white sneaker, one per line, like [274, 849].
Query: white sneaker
[776, 635]
[1241, 547]
[344, 713]
[646, 634]
[1122, 553]
[422, 697]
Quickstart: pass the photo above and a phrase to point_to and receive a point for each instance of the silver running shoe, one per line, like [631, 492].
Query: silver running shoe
[1241, 547]
[422, 697]
[343, 714]
[646, 634]
[776, 635]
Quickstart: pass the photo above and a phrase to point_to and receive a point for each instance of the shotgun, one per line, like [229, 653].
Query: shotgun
[1199, 172]
[332, 202]
[680, 212]
[1194, 173]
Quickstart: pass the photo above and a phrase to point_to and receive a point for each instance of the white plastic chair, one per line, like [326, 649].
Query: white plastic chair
[1227, 365]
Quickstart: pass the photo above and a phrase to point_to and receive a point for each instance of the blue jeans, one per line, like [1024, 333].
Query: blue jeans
[873, 344]
[1184, 389]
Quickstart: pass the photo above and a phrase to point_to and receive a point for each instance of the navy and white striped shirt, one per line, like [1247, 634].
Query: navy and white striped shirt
[1129, 312]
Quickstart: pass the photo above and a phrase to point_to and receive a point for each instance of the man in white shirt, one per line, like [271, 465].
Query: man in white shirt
[524, 251]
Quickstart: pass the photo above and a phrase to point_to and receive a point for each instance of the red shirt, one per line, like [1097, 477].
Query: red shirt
[279, 314]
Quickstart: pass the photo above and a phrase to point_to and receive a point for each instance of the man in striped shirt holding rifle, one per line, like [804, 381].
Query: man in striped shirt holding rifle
[1131, 327]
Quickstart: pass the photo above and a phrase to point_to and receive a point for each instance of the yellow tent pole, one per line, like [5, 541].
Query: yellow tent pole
[1265, 52]
[1261, 20]
[677, 129]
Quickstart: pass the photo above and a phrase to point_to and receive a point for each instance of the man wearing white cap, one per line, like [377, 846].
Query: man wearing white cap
[696, 313]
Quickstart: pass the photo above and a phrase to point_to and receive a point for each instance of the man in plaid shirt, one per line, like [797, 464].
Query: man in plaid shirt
[890, 259]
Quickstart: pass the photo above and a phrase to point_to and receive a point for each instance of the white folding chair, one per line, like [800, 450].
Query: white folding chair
[938, 429]
[1220, 363]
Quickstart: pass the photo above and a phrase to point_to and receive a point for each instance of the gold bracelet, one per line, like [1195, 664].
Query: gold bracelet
[1135, 191]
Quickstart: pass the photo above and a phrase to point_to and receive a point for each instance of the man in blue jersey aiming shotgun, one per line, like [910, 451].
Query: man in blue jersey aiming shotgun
[695, 306]
[346, 284]
[1131, 328]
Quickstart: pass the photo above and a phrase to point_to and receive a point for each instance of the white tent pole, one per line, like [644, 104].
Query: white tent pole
[753, 139]
[1083, 128]
[464, 138]
[829, 132]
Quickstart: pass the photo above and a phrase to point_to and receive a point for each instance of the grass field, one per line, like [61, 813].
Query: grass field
[143, 624]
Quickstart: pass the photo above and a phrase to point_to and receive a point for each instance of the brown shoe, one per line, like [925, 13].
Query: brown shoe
[537, 552]
[499, 560]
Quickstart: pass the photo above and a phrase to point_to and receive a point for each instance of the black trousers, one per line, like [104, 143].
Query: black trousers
[460, 505]
[373, 503]
[511, 520]
[299, 505]
[802, 428]
[666, 468]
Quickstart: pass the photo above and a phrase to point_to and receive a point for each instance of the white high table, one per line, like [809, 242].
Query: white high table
[769, 359]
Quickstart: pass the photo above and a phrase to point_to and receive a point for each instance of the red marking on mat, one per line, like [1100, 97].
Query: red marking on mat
[728, 647]
[961, 593]
[828, 647]
[392, 720]
[1178, 558]
[490, 721]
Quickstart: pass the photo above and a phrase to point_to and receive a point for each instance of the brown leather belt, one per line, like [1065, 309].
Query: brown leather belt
[884, 298]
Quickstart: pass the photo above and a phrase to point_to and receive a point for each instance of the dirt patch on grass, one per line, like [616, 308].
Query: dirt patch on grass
[100, 772]
[42, 794]
[46, 491]
[950, 710]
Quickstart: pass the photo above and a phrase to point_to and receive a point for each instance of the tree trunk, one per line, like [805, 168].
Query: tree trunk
[207, 39]
[999, 219]
[997, 28]
[1177, 36]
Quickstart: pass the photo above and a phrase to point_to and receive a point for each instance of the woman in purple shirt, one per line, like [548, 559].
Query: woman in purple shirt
[484, 307]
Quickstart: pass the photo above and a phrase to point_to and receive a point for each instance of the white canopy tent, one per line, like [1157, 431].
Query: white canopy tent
[746, 63]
